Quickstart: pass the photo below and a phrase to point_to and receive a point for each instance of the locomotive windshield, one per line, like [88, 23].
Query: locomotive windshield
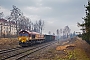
[24, 34]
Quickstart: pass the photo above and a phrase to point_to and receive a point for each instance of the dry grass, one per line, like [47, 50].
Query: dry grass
[78, 50]
[81, 51]
[8, 42]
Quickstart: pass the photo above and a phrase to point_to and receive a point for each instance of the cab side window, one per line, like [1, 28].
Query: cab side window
[33, 36]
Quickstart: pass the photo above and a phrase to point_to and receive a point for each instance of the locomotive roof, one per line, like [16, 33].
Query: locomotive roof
[35, 33]
[29, 32]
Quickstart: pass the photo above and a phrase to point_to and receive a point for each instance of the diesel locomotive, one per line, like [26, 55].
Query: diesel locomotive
[27, 38]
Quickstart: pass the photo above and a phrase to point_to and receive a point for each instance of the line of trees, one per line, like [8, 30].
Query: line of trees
[86, 24]
[64, 33]
[22, 22]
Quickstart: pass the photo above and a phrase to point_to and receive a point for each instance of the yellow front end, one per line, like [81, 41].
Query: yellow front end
[23, 39]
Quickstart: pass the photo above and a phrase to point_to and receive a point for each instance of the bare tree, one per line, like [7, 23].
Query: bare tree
[60, 32]
[1, 15]
[40, 25]
[74, 33]
[49, 32]
[9, 23]
[37, 27]
[22, 23]
[66, 31]
[1, 29]
[29, 25]
[57, 34]
[32, 26]
[54, 34]
[15, 14]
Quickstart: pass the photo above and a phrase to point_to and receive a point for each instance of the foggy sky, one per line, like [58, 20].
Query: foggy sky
[56, 13]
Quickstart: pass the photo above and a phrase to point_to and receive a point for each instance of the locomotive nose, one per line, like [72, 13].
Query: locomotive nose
[23, 39]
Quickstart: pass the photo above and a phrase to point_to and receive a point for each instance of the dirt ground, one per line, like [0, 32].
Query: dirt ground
[6, 43]
[78, 49]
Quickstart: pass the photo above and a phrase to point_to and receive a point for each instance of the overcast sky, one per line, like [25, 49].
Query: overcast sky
[56, 13]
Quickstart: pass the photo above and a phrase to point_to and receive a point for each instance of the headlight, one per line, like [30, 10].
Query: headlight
[27, 38]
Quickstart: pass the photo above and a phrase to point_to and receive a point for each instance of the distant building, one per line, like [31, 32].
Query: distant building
[7, 28]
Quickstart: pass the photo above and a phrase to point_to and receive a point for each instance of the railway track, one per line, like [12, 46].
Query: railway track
[17, 54]
[9, 50]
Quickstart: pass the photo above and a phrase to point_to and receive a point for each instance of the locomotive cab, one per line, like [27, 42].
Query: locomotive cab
[23, 37]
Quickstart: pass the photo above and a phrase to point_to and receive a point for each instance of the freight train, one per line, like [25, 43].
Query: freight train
[27, 38]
